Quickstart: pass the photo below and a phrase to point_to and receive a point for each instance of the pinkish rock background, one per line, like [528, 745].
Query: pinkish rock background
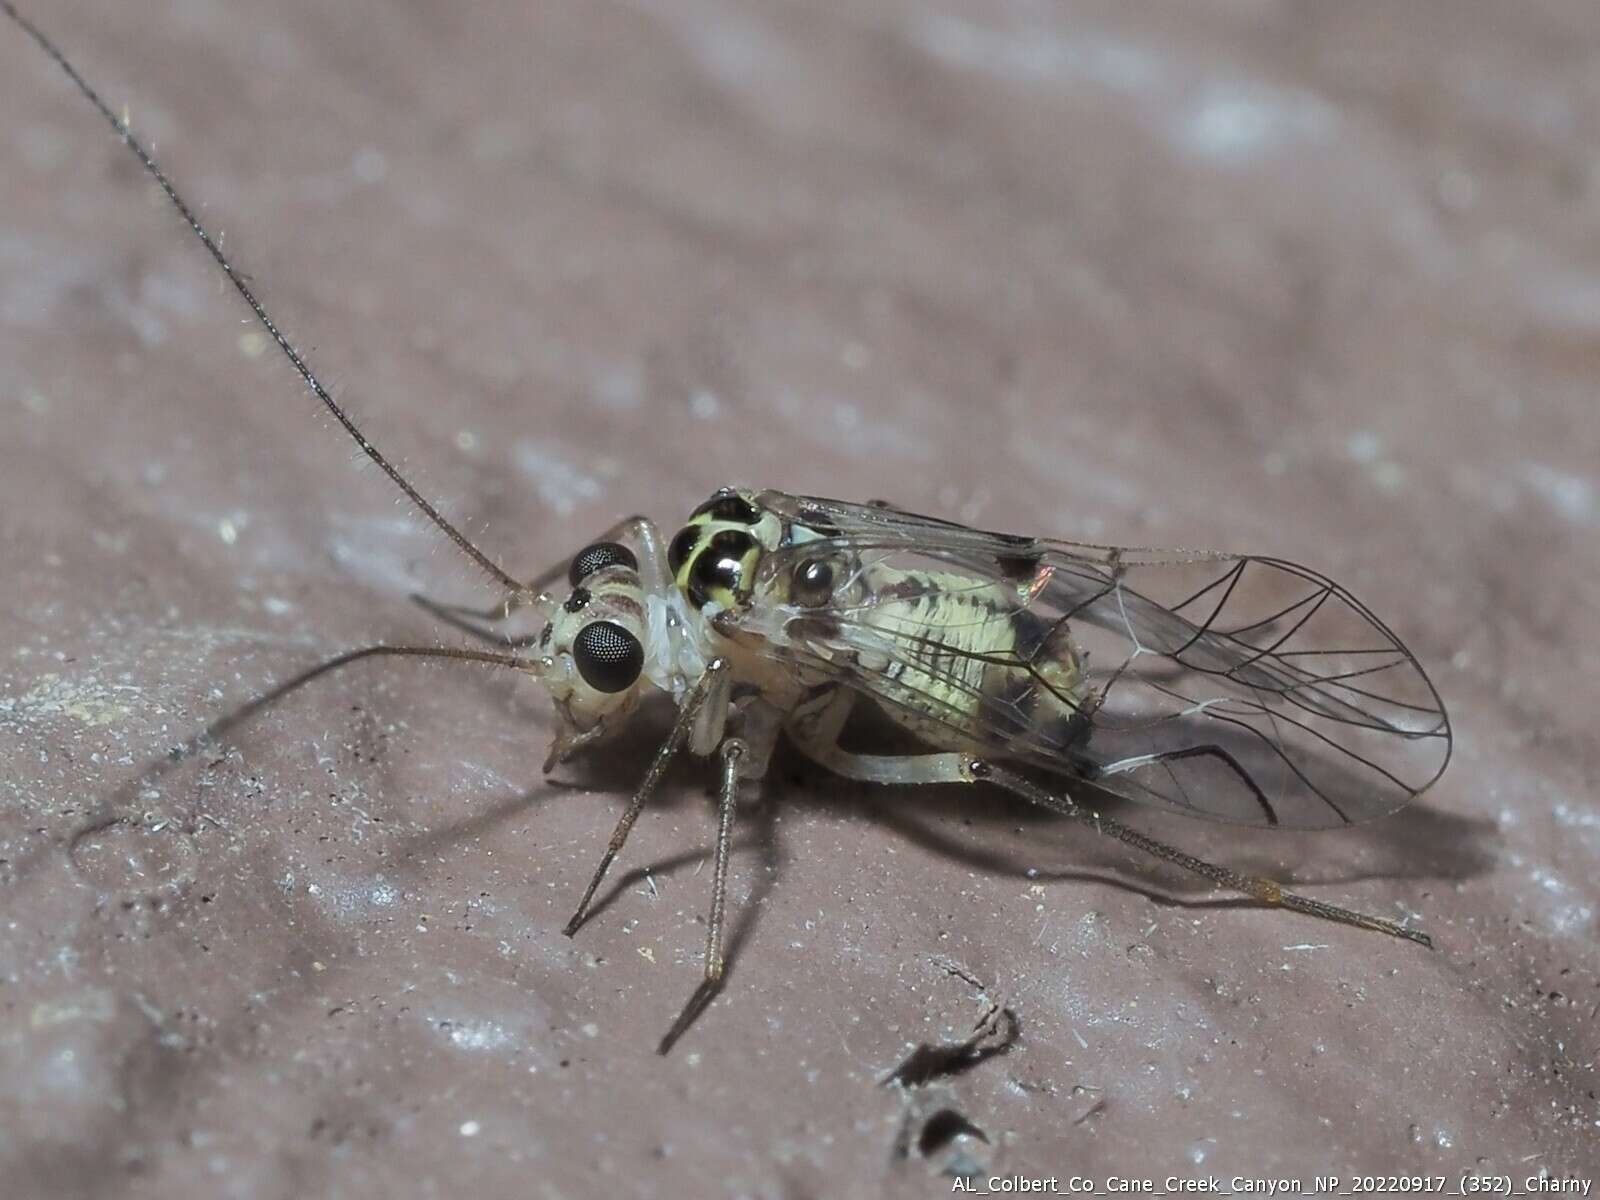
[1316, 280]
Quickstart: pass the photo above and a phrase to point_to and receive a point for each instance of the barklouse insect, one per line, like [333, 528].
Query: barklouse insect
[1230, 687]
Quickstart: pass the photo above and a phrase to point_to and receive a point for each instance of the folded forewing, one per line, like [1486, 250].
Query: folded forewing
[1231, 687]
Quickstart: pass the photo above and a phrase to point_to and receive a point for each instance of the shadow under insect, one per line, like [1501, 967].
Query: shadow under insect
[965, 826]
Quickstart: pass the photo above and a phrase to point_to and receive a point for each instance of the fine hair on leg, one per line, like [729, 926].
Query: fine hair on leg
[731, 751]
[690, 710]
[728, 799]
[1264, 890]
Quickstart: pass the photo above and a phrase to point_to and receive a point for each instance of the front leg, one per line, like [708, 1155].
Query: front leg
[704, 712]
[734, 754]
[653, 574]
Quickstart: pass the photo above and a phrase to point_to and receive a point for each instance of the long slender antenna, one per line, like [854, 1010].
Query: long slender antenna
[483, 561]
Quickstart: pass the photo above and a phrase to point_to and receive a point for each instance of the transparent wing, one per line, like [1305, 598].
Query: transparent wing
[1230, 687]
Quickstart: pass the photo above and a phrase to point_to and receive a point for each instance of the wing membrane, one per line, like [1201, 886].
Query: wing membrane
[1230, 687]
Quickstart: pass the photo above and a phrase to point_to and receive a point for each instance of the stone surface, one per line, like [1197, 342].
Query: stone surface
[1319, 281]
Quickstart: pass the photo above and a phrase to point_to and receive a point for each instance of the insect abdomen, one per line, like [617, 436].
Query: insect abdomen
[965, 647]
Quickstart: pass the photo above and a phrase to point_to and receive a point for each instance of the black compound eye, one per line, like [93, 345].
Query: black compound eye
[602, 554]
[609, 657]
[813, 583]
[728, 505]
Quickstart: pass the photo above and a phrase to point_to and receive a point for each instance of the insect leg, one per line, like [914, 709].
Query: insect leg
[814, 729]
[760, 722]
[460, 616]
[712, 682]
[653, 571]
[644, 534]
[733, 751]
[1265, 890]
[817, 739]
[887, 768]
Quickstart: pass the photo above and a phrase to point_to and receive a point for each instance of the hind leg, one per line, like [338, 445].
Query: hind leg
[817, 738]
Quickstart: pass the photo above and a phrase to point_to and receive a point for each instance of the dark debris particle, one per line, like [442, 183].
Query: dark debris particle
[994, 1034]
[936, 1132]
[940, 1131]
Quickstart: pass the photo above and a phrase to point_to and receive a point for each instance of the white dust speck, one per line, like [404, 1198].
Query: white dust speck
[85, 700]
[1235, 122]
[381, 551]
[1363, 445]
[277, 606]
[479, 1035]
[1562, 298]
[1037, 56]
[561, 484]
[1569, 495]
[620, 386]
[704, 405]
[227, 531]
[734, 51]
[1225, 121]
[1564, 917]
[1572, 818]
[95, 1004]
[253, 344]
[369, 165]
[470, 1128]
[1388, 476]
